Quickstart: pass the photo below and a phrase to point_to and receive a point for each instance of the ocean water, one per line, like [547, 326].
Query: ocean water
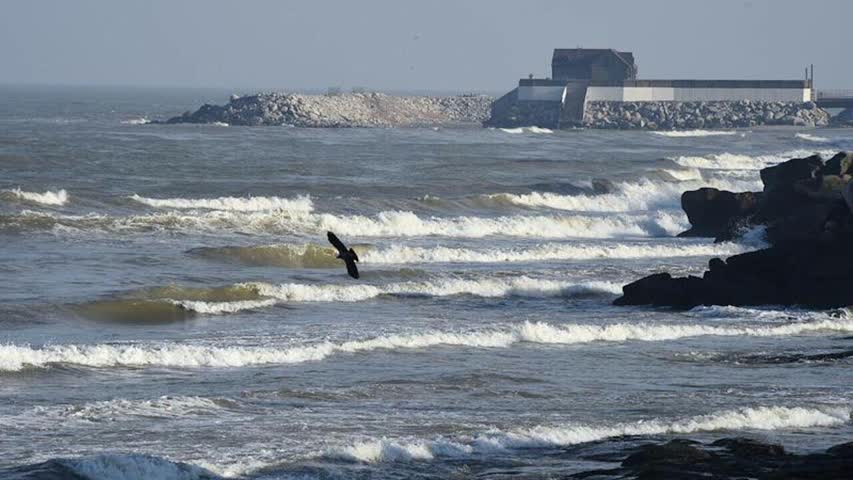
[170, 308]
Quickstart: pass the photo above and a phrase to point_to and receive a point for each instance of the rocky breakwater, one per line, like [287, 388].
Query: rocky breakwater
[343, 110]
[687, 115]
[807, 209]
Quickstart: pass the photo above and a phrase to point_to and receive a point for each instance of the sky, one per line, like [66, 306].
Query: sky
[425, 45]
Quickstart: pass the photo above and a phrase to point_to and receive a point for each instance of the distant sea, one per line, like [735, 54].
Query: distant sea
[170, 308]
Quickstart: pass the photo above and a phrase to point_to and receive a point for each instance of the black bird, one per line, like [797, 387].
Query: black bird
[348, 255]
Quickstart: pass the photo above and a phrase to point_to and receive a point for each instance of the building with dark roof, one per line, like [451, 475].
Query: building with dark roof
[580, 76]
[604, 64]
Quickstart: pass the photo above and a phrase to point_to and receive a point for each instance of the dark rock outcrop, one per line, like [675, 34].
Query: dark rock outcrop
[712, 212]
[729, 459]
[808, 223]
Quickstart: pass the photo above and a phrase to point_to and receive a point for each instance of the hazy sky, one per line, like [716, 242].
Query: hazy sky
[412, 45]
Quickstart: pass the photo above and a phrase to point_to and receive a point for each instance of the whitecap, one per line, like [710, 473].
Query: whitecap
[136, 121]
[178, 355]
[402, 254]
[693, 133]
[53, 198]
[532, 129]
[732, 161]
[237, 204]
[552, 436]
[812, 138]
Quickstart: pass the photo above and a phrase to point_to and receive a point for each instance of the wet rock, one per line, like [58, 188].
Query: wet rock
[711, 211]
[747, 447]
[728, 459]
[840, 164]
[809, 224]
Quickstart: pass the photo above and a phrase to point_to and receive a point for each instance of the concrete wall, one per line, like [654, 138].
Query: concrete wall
[550, 90]
[688, 94]
[541, 93]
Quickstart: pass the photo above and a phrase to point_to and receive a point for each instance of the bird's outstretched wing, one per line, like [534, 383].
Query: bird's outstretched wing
[351, 268]
[336, 242]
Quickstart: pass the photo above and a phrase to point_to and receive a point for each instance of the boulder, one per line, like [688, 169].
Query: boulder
[728, 459]
[711, 211]
[747, 447]
[840, 164]
[783, 176]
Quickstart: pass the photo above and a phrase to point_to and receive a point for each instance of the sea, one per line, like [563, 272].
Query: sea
[170, 307]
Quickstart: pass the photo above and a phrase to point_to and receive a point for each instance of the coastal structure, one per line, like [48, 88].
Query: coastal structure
[599, 88]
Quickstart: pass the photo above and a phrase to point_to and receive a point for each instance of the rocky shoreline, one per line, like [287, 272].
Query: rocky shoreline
[724, 459]
[342, 110]
[806, 208]
[692, 115]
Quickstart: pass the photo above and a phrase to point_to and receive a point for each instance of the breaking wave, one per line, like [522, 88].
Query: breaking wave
[285, 255]
[732, 161]
[236, 204]
[136, 121]
[318, 256]
[642, 195]
[389, 223]
[693, 133]
[544, 437]
[171, 304]
[57, 198]
[485, 287]
[116, 409]
[400, 254]
[812, 138]
[399, 223]
[526, 130]
[18, 357]
[113, 467]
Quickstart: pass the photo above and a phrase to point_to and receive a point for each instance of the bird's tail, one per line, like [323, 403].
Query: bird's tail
[354, 255]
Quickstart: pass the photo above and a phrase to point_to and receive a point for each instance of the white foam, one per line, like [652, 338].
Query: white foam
[551, 436]
[532, 129]
[135, 467]
[731, 161]
[685, 175]
[812, 138]
[629, 196]
[237, 204]
[398, 223]
[384, 224]
[483, 287]
[17, 357]
[693, 133]
[56, 198]
[136, 121]
[401, 254]
[114, 410]
[218, 308]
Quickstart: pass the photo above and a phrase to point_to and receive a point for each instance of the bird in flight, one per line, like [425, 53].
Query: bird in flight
[348, 255]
